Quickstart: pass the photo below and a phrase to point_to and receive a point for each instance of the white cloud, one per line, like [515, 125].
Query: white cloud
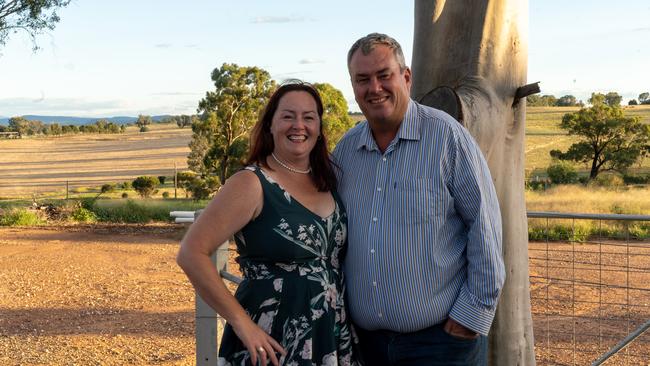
[276, 19]
[309, 61]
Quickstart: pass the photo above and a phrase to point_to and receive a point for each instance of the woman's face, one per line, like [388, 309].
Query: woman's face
[295, 125]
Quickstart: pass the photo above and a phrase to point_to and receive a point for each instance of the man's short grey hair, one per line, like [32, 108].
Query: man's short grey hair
[368, 43]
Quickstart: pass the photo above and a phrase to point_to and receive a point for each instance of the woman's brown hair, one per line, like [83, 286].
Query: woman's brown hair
[262, 141]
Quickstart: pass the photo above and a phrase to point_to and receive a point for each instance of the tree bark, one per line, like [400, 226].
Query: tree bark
[469, 58]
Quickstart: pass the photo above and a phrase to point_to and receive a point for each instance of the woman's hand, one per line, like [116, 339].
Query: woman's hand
[259, 343]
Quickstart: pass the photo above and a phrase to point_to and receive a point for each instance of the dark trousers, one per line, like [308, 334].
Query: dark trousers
[427, 347]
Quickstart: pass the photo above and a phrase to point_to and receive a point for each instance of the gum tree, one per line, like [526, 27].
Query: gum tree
[227, 114]
[30, 16]
[470, 59]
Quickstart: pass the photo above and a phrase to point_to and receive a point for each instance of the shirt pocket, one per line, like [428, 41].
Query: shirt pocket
[419, 201]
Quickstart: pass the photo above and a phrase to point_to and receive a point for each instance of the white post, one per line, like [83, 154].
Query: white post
[207, 331]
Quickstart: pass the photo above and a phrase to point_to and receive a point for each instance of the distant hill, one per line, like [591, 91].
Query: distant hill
[65, 120]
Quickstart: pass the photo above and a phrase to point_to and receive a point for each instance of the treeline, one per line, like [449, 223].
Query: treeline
[28, 127]
[33, 127]
[611, 98]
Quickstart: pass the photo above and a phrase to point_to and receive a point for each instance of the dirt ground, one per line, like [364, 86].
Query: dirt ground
[113, 295]
[94, 296]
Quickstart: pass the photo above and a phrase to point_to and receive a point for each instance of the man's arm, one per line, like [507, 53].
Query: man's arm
[476, 202]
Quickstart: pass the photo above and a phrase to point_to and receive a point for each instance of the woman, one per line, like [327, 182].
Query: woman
[290, 230]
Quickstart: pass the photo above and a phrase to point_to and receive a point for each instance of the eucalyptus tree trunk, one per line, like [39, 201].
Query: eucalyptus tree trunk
[470, 59]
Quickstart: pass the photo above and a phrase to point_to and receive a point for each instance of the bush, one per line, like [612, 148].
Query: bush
[144, 129]
[125, 195]
[21, 217]
[162, 179]
[537, 185]
[165, 195]
[145, 186]
[125, 185]
[607, 180]
[202, 189]
[107, 188]
[636, 179]
[83, 215]
[562, 172]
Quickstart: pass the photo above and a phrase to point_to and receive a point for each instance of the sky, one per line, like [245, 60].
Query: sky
[124, 58]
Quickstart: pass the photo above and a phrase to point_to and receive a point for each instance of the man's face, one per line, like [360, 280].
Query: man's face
[380, 88]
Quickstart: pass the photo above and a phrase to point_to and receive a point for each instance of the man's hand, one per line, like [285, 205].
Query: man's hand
[457, 330]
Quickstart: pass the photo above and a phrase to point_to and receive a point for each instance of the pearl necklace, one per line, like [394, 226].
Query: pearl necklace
[287, 167]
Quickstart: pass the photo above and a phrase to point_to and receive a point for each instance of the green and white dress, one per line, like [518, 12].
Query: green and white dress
[293, 287]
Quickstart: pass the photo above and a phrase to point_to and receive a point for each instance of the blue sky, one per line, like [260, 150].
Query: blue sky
[109, 58]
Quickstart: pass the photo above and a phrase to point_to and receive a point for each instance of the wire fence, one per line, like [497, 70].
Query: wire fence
[590, 292]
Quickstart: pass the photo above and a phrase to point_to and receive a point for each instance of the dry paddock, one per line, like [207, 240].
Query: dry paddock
[113, 295]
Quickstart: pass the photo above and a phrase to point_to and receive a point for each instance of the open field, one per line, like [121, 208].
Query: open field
[44, 164]
[113, 295]
[543, 134]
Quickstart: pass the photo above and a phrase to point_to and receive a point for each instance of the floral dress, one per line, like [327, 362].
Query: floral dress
[293, 285]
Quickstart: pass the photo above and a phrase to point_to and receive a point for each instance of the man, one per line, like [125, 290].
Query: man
[424, 268]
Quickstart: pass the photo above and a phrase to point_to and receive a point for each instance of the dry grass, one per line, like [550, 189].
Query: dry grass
[576, 198]
[44, 164]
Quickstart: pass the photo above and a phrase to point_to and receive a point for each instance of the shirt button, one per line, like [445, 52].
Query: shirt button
[372, 251]
[378, 189]
[374, 219]
[380, 315]
[383, 159]
[374, 283]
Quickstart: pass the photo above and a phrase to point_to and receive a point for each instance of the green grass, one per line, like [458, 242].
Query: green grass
[141, 211]
[21, 217]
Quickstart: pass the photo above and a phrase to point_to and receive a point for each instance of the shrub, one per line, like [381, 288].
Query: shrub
[144, 129]
[125, 195]
[162, 179]
[202, 189]
[607, 180]
[125, 185]
[165, 195]
[537, 185]
[107, 188]
[636, 179]
[21, 217]
[562, 172]
[83, 215]
[145, 185]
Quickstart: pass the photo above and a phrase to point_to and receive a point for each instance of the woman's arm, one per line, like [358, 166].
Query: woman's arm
[239, 201]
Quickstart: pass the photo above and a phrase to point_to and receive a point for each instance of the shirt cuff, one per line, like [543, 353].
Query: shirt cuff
[468, 313]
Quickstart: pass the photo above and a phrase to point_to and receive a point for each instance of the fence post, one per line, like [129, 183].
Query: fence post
[207, 332]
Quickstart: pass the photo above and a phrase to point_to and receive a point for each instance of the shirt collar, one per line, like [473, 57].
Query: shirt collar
[409, 129]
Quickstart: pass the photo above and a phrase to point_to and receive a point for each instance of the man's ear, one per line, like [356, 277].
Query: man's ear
[407, 77]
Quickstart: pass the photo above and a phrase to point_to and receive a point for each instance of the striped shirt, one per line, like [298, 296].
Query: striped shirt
[424, 226]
